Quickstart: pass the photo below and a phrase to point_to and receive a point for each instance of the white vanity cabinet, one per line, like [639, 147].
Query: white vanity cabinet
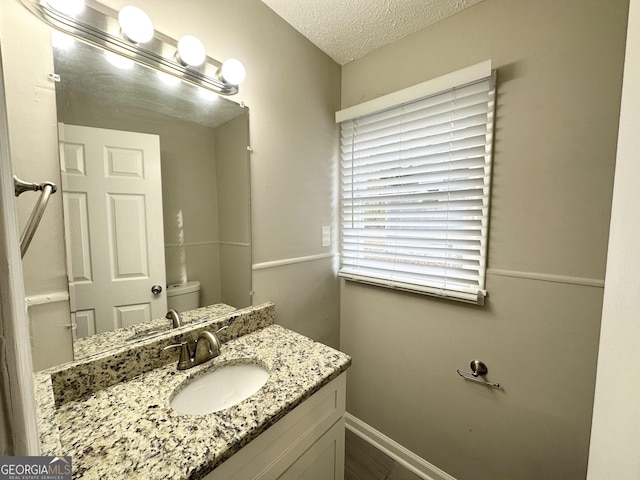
[308, 443]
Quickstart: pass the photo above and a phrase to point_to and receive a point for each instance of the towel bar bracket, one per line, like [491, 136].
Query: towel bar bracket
[20, 186]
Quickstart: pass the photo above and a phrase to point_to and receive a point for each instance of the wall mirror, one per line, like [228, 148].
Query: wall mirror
[191, 223]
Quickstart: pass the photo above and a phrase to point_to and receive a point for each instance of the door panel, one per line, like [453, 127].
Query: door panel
[77, 226]
[85, 321]
[124, 162]
[128, 237]
[127, 315]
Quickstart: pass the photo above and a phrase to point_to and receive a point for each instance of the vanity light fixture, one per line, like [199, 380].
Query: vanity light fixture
[129, 33]
[232, 71]
[67, 7]
[135, 24]
[191, 51]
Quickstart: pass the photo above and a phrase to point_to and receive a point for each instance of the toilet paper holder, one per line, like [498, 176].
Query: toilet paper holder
[478, 369]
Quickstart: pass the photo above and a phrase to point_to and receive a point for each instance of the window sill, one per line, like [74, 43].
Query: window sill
[465, 297]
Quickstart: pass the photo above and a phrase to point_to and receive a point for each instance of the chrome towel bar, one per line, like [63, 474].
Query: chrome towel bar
[47, 189]
[478, 368]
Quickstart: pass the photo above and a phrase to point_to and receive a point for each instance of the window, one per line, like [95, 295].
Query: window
[415, 181]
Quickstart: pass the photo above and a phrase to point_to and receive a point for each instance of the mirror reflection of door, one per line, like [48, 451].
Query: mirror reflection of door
[112, 198]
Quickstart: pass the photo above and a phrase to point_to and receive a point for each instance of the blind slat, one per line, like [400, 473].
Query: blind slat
[473, 115]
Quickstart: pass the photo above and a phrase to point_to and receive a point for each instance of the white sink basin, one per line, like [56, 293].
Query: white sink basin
[220, 389]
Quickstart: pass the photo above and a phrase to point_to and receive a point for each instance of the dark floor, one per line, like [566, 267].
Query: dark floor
[365, 462]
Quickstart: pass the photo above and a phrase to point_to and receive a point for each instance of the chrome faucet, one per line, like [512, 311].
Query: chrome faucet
[174, 317]
[211, 349]
[189, 358]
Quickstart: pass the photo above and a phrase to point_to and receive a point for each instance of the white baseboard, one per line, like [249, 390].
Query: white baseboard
[397, 452]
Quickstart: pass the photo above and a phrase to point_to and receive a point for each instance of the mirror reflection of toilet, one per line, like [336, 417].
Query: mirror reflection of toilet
[183, 296]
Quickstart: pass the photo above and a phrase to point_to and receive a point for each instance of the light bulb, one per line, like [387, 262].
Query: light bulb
[67, 7]
[119, 61]
[232, 72]
[135, 24]
[191, 51]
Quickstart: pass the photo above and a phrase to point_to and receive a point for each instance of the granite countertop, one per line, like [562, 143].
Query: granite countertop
[129, 430]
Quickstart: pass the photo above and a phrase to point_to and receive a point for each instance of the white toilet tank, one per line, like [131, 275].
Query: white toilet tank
[183, 296]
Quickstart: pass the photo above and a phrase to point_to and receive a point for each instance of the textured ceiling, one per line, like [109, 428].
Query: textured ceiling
[348, 29]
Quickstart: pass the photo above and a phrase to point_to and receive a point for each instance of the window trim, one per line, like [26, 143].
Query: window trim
[431, 87]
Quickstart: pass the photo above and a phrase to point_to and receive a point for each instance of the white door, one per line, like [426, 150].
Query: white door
[112, 197]
[615, 431]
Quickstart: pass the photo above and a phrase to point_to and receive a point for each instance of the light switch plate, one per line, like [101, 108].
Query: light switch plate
[326, 236]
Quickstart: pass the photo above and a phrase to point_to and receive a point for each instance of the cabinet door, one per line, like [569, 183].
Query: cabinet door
[324, 460]
[308, 443]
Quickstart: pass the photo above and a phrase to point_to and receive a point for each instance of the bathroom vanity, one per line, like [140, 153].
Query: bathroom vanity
[112, 412]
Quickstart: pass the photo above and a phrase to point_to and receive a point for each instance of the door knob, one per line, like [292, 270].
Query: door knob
[156, 289]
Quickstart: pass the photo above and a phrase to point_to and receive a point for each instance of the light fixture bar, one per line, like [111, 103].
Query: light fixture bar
[98, 25]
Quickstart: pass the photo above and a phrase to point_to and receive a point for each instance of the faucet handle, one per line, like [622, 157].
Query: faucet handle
[185, 355]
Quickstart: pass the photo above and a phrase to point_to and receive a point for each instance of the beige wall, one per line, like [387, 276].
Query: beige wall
[190, 207]
[559, 79]
[234, 211]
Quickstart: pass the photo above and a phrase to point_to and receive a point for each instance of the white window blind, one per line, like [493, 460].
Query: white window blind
[415, 184]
